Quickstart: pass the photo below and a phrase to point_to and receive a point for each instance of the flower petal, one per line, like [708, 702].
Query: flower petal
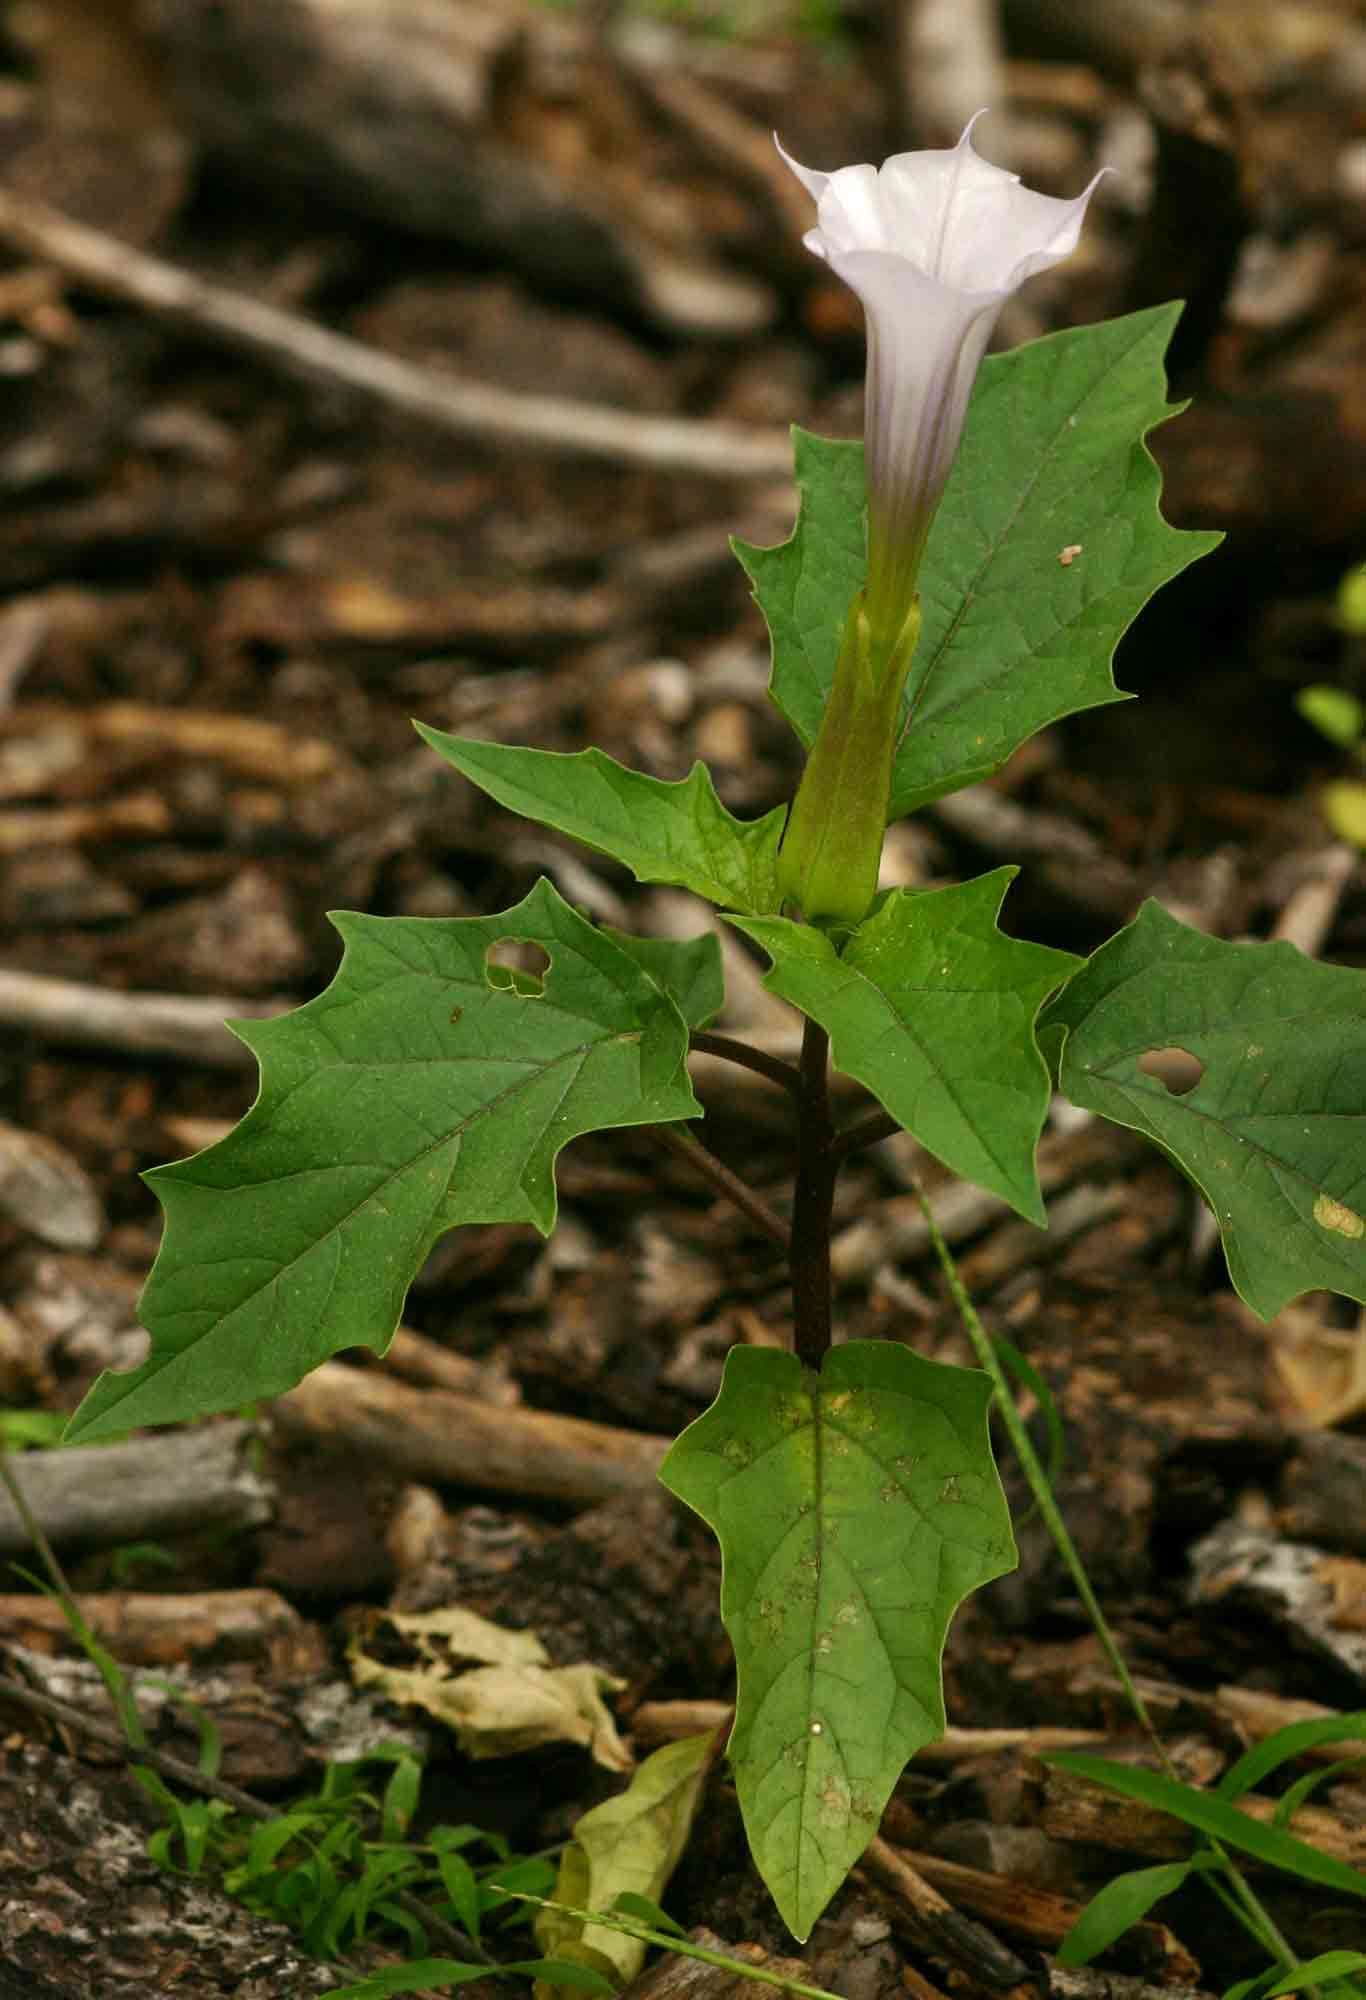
[933, 243]
[925, 342]
[810, 177]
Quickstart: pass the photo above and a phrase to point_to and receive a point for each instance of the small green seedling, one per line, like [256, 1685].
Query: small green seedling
[1214, 1817]
[1341, 717]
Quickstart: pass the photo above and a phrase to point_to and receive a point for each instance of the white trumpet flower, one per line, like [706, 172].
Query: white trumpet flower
[933, 243]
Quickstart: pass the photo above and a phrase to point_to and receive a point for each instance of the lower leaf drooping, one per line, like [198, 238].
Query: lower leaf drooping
[855, 1511]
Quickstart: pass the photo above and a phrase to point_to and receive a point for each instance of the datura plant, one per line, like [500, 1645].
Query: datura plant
[954, 584]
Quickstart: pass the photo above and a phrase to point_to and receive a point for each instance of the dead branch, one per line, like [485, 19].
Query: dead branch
[950, 60]
[245, 744]
[1118, 36]
[1076, 1810]
[417, 1358]
[667, 1721]
[680, 1141]
[297, 347]
[1072, 861]
[1258, 1715]
[673, 1977]
[1036, 1916]
[961, 1939]
[449, 118]
[136, 816]
[101, 1495]
[173, 1026]
[1311, 909]
[451, 1440]
[898, 1231]
[143, 1629]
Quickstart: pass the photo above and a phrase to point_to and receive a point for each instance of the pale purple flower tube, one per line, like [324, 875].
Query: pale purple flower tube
[933, 243]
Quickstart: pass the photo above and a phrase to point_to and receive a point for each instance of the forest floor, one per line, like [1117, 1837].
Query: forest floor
[225, 593]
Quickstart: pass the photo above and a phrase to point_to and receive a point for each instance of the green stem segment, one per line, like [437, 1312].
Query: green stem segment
[828, 862]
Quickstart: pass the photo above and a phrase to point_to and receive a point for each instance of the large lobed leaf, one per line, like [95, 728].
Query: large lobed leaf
[428, 1086]
[1047, 544]
[933, 1008]
[1273, 1133]
[855, 1510]
[676, 832]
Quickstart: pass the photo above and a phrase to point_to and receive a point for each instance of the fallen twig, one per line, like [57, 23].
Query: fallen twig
[183, 1028]
[1071, 859]
[432, 1434]
[961, 1939]
[298, 347]
[1025, 1911]
[1311, 909]
[667, 1721]
[896, 1231]
[144, 1628]
[106, 1494]
[245, 744]
[136, 816]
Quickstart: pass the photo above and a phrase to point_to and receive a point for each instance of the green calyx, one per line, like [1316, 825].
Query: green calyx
[832, 846]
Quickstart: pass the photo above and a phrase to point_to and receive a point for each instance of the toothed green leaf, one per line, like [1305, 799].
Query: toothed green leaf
[689, 970]
[933, 1008]
[1267, 1111]
[1047, 544]
[428, 1086]
[663, 832]
[855, 1510]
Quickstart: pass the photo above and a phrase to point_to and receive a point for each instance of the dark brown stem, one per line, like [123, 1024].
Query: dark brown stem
[774, 1068]
[813, 1201]
[719, 1174]
[865, 1132]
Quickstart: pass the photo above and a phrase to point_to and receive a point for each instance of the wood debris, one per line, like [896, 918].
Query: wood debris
[464, 436]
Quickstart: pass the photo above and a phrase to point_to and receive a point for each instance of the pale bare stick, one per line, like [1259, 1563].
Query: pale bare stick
[444, 1439]
[666, 1721]
[1311, 909]
[179, 1027]
[298, 347]
[102, 1495]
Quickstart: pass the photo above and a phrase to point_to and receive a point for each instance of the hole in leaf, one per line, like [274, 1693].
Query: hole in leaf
[1177, 1069]
[517, 965]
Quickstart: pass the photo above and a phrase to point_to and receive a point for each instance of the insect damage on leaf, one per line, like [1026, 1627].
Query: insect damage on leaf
[422, 1090]
[1273, 1133]
[1177, 1070]
[1335, 1215]
[517, 965]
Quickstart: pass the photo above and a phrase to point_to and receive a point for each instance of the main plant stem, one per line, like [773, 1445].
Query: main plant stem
[813, 1201]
